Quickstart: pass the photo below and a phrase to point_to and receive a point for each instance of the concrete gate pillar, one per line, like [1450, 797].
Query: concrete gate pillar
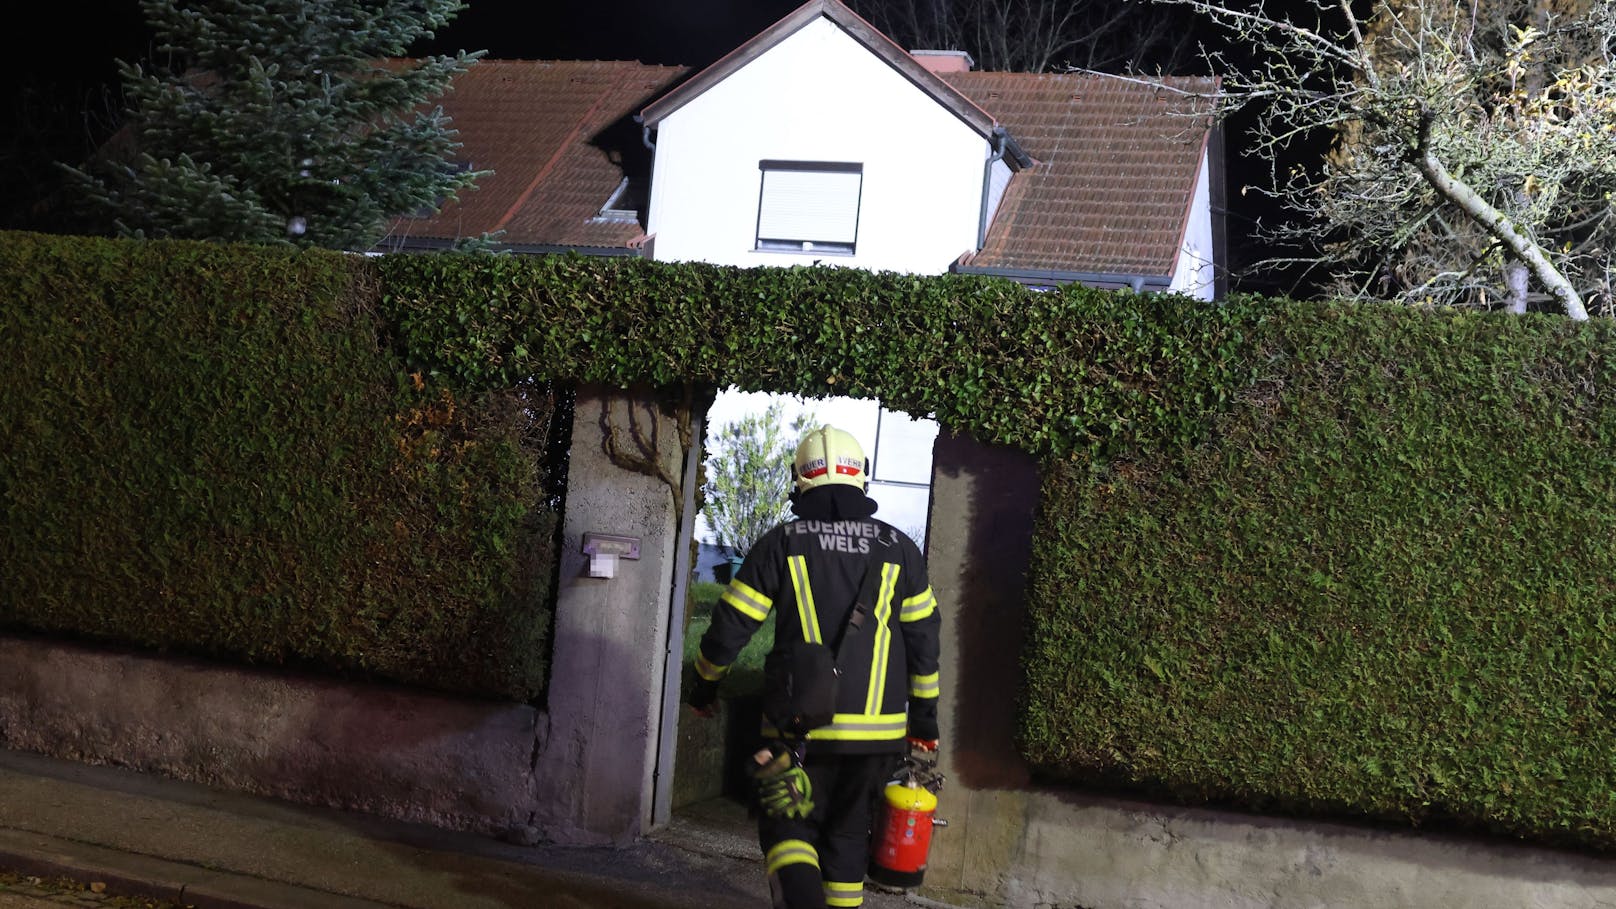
[977, 549]
[630, 479]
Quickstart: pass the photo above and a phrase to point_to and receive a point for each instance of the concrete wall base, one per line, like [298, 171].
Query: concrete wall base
[449, 762]
[1047, 849]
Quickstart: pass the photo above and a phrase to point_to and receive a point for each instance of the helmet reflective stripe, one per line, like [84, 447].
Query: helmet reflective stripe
[829, 455]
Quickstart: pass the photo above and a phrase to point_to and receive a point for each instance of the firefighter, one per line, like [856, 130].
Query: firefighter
[845, 584]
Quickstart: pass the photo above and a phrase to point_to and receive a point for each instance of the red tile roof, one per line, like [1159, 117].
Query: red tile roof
[559, 139]
[1116, 164]
[1109, 192]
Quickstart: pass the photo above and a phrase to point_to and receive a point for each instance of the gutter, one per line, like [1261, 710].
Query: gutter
[1002, 143]
[1098, 279]
[428, 244]
[646, 132]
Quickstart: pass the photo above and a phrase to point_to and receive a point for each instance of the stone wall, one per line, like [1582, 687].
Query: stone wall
[445, 761]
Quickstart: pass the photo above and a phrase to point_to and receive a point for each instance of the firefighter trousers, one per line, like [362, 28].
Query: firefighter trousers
[820, 860]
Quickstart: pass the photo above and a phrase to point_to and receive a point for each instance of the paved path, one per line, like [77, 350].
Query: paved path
[147, 836]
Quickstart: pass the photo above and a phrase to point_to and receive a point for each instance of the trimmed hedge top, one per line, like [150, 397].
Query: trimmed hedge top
[1076, 370]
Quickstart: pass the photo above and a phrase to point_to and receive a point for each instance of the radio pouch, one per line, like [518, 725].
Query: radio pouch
[800, 679]
[799, 685]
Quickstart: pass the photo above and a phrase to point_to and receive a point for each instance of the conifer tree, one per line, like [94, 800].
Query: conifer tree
[282, 121]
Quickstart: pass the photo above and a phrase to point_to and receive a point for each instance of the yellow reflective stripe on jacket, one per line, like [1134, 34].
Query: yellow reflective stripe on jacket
[918, 606]
[791, 852]
[924, 686]
[883, 639]
[747, 602]
[849, 727]
[855, 727]
[707, 669]
[840, 894]
[805, 599]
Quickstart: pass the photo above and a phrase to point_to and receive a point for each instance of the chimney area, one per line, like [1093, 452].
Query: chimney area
[944, 61]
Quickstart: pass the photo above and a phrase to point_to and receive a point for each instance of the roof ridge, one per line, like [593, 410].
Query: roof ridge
[545, 61]
[861, 31]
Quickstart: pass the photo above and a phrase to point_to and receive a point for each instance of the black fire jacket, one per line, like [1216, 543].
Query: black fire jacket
[811, 572]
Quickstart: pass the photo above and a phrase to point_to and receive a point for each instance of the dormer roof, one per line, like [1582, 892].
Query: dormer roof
[1116, 164]
[560, 140]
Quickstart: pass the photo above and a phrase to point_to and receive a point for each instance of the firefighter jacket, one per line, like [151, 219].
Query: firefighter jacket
[809, 573]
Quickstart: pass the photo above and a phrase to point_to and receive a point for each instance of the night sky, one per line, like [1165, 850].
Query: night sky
[71, 46]
[62, 82]
[689, 32]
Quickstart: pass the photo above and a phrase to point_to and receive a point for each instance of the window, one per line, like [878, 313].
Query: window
[809, 206]
[625, 203]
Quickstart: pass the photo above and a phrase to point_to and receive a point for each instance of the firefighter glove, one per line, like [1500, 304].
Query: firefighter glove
[783, 786]
[918, 744]
[923, 723]
[704, 697]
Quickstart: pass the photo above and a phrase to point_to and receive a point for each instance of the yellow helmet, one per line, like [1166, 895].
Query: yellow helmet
[828, 455]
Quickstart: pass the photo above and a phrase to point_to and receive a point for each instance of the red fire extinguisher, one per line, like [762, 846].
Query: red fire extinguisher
[908, 814]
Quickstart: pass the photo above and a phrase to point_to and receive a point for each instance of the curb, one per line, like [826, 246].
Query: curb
[148, 877]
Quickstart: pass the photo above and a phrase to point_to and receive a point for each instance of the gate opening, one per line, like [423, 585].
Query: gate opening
[710, 786]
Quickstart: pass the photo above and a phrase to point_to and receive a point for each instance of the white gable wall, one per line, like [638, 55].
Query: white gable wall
[818, 95]
[997, 184]
[1193, 273]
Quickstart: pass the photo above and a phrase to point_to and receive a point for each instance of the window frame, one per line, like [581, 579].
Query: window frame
[808, 245]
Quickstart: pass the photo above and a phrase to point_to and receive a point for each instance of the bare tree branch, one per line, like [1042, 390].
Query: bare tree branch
[1041, 35]
[1472, 146]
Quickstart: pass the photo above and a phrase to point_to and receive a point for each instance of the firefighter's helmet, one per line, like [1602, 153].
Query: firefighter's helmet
[827, 455]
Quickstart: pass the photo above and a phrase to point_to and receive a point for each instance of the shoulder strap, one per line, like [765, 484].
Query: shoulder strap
[869, 590]
[868, 593]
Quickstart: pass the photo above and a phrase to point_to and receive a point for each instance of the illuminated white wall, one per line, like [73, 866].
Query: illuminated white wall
[818, 95]
[1193, 275]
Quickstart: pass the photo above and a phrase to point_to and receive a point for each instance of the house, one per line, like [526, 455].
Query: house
[821, 140]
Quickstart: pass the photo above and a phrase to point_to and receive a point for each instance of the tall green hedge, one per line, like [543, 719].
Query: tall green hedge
[214, 450]
[1347, 560]
[1383, 587]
